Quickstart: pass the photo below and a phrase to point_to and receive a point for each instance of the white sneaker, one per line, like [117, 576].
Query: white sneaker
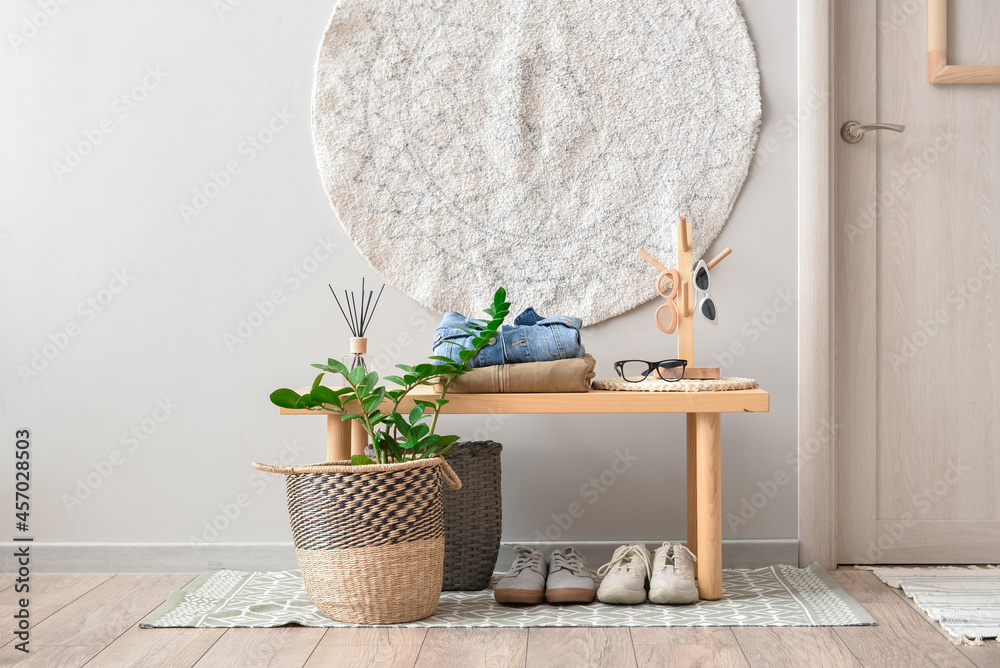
[625, 576]
[673, 575]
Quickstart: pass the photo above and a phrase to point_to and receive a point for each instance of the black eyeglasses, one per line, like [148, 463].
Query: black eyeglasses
[636, 371]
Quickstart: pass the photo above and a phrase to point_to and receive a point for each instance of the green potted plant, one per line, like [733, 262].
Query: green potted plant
[369, 533]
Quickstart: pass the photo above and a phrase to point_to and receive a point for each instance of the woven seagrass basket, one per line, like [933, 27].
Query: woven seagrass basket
[369, 539]
[473, 516]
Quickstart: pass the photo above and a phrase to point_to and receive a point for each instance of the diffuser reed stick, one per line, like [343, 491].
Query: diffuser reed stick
[358, 318]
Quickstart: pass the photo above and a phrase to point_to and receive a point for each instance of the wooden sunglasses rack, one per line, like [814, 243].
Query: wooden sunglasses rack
[685, 294]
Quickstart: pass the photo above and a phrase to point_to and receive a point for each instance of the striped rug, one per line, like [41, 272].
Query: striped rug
[964, 600]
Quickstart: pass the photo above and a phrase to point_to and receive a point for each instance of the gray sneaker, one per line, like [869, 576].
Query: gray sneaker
[673, 575]
[525, 581]
[625, 576]
[569, 578]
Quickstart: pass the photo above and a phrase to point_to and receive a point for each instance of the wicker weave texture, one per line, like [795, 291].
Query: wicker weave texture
[382, 584]
[397, 506]
[473, 515]
[369, 539]
[685, 385]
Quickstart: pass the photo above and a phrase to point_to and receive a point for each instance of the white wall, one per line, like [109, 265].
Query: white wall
[221, 77]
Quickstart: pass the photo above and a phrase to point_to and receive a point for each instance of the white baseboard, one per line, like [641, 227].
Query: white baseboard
[187, 558]
[151, 557]
[735, 553]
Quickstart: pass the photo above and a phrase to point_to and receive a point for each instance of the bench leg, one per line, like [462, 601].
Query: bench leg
[359, 438]
[708, 436]
[692, 487]
[338, 438]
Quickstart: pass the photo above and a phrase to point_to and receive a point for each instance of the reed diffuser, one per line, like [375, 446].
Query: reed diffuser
[358, 318]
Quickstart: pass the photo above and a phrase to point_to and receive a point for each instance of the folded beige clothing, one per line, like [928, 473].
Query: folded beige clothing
[572, 375]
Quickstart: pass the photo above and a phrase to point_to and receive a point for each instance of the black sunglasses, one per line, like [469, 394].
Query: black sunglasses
[636, 371]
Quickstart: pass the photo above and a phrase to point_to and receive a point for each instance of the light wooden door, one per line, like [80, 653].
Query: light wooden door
[917, 290]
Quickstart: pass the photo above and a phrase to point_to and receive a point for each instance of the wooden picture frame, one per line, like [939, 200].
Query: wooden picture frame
[938, 69]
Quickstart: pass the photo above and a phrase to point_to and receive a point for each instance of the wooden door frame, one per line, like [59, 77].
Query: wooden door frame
[817, 460]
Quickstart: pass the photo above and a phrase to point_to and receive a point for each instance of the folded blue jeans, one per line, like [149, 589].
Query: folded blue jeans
[531, 338]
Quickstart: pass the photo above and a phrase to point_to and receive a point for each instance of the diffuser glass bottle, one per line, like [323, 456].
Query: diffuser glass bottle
[359, 354]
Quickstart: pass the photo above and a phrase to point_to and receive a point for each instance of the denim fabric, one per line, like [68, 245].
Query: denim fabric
[531, 338]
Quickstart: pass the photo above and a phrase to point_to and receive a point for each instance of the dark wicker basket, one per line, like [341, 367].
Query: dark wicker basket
[473, 516]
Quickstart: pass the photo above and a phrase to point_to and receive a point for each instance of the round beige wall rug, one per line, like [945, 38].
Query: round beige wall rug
[533, 144]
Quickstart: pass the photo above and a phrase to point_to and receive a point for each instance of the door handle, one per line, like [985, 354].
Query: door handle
[852, 132]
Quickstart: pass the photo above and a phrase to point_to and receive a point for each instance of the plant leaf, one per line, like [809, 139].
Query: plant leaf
[394, 379]
[305, 401]
[356, 375]
[428, 442]
[401, 425]
[285, 398]
[350, 416]
[416, 414]
[325, 395]
[361, 460]
[318, 379]
[441, 358]
[370, 380]
[386, 444]
[375, 400]
[336, 366]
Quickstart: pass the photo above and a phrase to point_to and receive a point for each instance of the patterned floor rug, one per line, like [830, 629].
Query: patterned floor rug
[966, 601]
[773, 596]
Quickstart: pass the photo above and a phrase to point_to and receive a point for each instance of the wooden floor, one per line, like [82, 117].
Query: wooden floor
[90, 620]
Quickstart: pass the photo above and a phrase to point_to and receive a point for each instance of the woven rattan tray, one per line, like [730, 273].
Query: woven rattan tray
[657, 385]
